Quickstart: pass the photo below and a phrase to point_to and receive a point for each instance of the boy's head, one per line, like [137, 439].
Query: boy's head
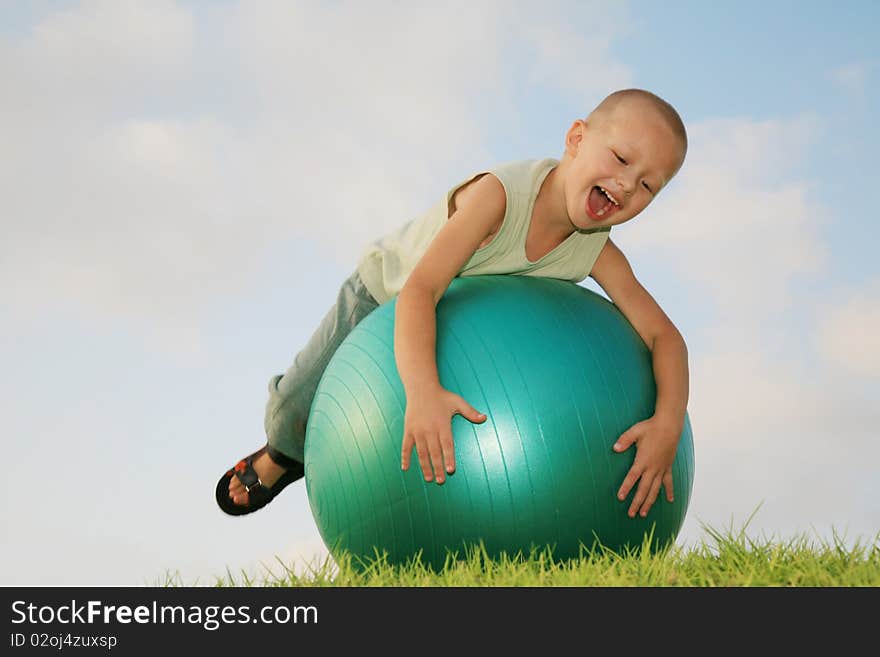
[631, 145]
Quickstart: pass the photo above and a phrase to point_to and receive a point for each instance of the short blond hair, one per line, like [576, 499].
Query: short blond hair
[606, 108]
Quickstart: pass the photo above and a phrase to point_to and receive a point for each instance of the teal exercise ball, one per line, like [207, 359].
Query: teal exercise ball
[559, 372]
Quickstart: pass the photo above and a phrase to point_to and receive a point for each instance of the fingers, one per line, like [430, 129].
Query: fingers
[424, 457]
[667, 484]
[627, 438]
[448, 447]
[628, 482]
[406, 451]
[651, 497]
[647, 492]
[640, 496]
[469, 412]
[436, 453]
[431, 450]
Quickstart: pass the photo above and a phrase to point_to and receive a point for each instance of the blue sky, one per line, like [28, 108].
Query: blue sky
[186, 184]
[760, 60]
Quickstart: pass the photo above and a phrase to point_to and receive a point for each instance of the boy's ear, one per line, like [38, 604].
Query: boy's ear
[575, 135]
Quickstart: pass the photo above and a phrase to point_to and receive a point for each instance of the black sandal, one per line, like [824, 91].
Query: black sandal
[258, 494]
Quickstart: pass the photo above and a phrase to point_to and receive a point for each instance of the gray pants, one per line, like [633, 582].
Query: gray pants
[291, 394]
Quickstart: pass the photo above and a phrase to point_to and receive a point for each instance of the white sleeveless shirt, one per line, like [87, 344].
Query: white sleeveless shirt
[386, 263]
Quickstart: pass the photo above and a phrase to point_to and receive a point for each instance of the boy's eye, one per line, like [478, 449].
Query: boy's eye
[622, 161]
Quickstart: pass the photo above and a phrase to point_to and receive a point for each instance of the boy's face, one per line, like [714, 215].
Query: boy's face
[632, 154]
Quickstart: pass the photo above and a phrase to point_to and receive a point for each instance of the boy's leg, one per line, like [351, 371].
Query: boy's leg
[291, 394]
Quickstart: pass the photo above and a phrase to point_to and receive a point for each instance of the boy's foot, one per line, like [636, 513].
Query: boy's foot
[267, 470]
[255, 481]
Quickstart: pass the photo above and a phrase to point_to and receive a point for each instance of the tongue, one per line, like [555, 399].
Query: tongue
[597, 200]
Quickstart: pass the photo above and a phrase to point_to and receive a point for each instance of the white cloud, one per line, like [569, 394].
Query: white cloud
[734, 225]
[852, 77]
[87, 62]
[565, 54]
[332, 124]
[847, 334]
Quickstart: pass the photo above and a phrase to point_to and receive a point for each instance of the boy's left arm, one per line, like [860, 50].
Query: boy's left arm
[657, 437]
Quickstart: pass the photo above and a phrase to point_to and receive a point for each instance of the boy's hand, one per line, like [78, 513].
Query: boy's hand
[656, 441]
[428, 427]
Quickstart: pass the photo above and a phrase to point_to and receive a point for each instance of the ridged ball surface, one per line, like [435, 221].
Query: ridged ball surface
[561, 375]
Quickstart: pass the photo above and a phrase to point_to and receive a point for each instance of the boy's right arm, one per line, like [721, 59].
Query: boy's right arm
[430, 407]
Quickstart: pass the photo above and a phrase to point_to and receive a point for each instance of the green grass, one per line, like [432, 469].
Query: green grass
[728, 558]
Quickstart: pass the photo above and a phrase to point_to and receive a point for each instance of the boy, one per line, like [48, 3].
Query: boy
[538, 218]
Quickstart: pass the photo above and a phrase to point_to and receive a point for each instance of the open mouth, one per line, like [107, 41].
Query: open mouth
[599, 204]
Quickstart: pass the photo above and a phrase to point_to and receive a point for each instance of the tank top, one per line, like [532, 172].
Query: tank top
[386, 263]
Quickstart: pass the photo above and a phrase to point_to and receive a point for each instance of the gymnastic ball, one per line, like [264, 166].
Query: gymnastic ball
[559, 372]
